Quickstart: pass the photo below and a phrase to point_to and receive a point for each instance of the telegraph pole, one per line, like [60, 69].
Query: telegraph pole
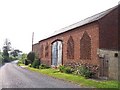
[32, 40]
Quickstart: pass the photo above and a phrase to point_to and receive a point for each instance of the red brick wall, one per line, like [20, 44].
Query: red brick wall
[109, 31]
[36, 49]
[77, 33]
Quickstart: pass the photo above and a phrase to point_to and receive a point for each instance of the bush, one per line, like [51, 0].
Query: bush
[84, 71]
[29, 65]
[23, 58]
[36, 64]
[43, 66]
[5, 59]
[66, 69]
[26, 62]
[19, 62]
[11, 58]
[69, 70]
[31, 57]
[62, 68]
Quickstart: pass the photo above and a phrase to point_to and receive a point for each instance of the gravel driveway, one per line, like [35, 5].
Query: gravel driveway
[13, 76]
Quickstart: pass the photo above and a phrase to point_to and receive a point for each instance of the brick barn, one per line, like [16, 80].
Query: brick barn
[92, 41]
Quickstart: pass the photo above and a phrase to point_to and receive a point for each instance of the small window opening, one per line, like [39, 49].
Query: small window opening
[116, 55]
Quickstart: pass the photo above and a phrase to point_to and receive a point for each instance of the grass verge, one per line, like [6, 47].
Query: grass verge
[76, 78]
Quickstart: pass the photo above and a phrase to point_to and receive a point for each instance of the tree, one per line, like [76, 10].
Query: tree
[23, 58]
[31, 57]
[0, 58]
[6, 48]
[7, 45]
[15, 52]
[5, 56]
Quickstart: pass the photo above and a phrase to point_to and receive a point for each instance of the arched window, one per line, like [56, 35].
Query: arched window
[85, 46]
[41, 51]
[46, 50]
[70, 48]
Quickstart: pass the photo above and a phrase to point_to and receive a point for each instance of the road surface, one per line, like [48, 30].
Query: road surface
[13, 76]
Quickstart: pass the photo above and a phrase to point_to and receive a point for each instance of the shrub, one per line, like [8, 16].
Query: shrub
[84, 71]
[23, 58]
[31, 57]
[68, 70]
[26, 62]
[43, 66]
[29, 65]
[5, 59]
[36, 64]
[62, 68]
[11, 58]
[19, 62]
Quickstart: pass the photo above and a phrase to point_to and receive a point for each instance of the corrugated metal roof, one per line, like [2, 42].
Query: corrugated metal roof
[81, 23]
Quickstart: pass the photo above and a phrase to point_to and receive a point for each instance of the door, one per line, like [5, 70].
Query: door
[59, 53]
[56, 53]
[104, 67]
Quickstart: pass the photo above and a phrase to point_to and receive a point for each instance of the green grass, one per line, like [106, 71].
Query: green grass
[77, 79]
[20, 64]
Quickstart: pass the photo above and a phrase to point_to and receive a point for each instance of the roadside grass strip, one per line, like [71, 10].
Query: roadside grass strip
[77, 78]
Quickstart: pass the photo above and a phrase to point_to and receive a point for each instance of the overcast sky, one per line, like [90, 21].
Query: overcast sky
[19, 18]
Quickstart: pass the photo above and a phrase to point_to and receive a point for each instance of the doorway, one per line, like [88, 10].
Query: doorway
[57, 53]
[104, 64]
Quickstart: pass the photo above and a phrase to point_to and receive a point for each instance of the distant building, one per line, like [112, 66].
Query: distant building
[93, 41]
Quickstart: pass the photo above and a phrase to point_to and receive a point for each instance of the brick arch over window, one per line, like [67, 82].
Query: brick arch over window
[70, 48]
[85, 46]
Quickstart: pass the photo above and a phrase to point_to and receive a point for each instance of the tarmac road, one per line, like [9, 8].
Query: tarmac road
[13, 76]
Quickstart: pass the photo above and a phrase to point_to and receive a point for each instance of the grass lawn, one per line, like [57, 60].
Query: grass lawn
[76, 79]
[21, 64]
